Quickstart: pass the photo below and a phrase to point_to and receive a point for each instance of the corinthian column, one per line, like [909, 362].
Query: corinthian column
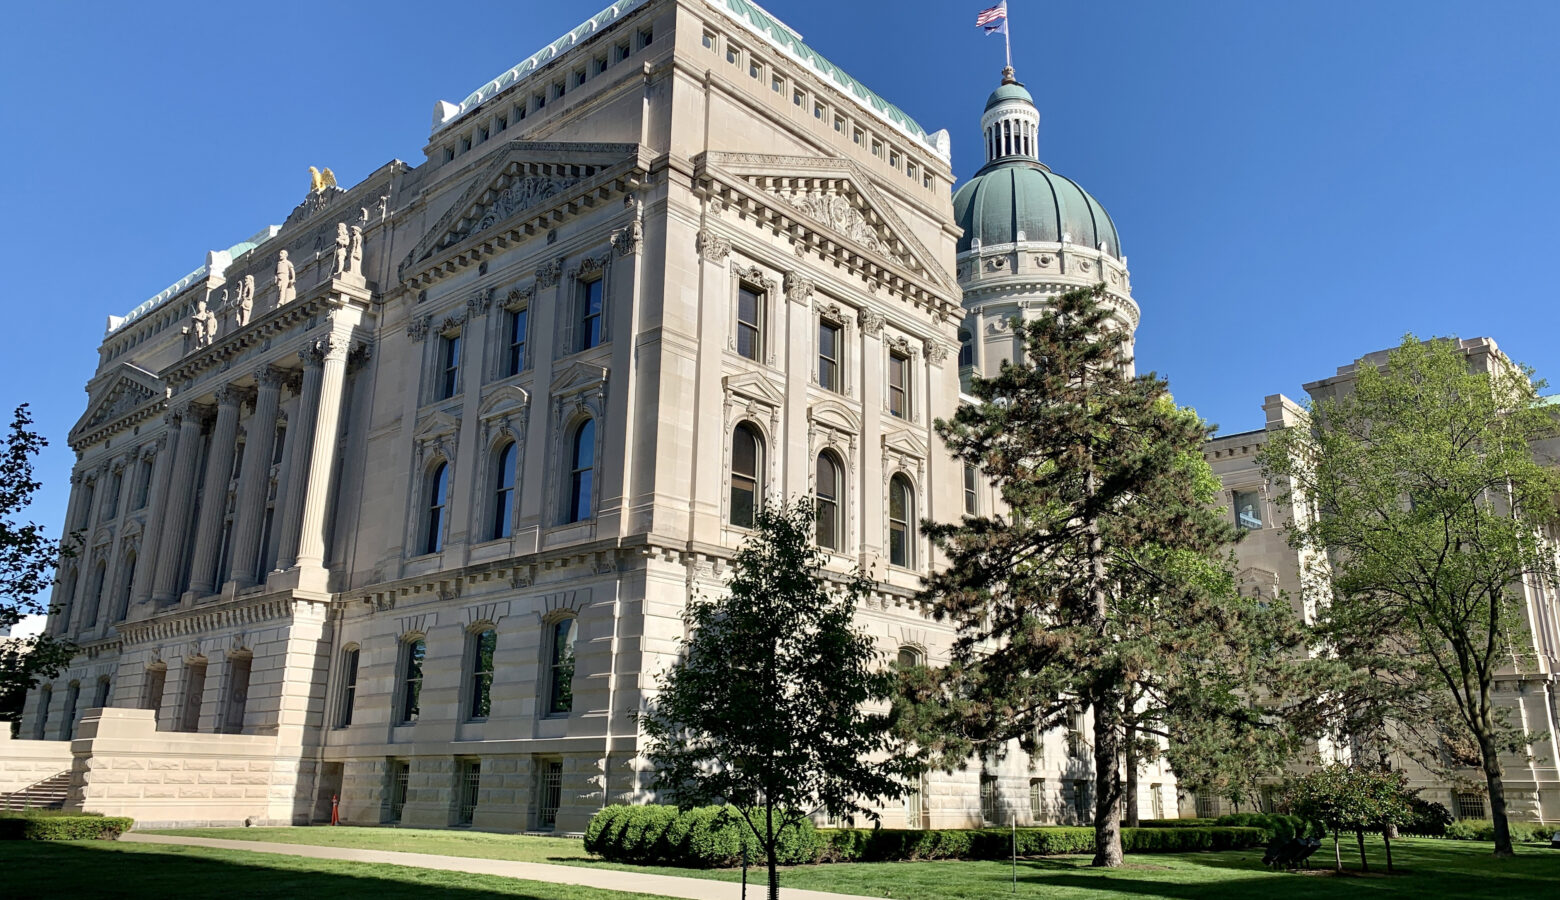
[250, 513]
[302, 432]
[213, 505]
[175, 519]
[311, 536]
[162, 463]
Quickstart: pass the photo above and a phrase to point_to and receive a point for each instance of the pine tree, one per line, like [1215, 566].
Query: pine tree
[1433, 508]
[1107, 580]
[769, 707]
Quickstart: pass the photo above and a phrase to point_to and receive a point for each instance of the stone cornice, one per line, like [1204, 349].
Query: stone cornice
[331, 294]
[201, 620]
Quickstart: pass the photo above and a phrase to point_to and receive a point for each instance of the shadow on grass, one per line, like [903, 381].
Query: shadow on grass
[56, 870]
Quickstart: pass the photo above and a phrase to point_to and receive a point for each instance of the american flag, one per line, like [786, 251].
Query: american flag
[985, 17]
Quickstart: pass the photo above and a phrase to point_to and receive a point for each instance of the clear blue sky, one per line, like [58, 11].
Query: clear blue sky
[1295, 183]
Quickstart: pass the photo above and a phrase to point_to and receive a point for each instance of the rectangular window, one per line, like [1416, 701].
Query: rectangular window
[620, 52]
[598, 65]
[1470, 805]
[465, 143]
[589, 315]
[449, 154]
[1082, 792]
[910, 170]
[1156, 800]
[538, 101]
[899, 385]
[194, 693]
[777, 84]
[1206, 808]
[755, 71]
[549, 794]
[971, 498]
[483, 645]
[518, 325]
[482, 134]
[750, 329]
[559, 88]
[645, 37]
[520, 111]
[926, 180]
[877, 148]
[501, 122]
[470, 785]
[829, 356]
[988, 798]
[411, 680]
[1248, 510]
[143, 488]
[239, 669]
[1037, 799]
[797, 98]
[857, 136]
[400, 775]
[839, 124]
[349, 672]
[449, 365]
[915, 807]
[579, 77]
[111, 506]
[818, 110]
[708, 40]
[893, 158]
[733, 55]
[560, 699]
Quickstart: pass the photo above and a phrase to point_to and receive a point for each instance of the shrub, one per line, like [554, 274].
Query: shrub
[1174, 823]
[1427, 818]
[704, 837]
[53, 825]
[1276, 826]
[889, 844]
[1177, 840]
[1484, 830]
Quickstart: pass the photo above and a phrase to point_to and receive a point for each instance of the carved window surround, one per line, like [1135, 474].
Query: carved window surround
[768, 289]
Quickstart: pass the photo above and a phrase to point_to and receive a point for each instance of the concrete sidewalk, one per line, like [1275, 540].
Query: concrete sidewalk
[584, 876]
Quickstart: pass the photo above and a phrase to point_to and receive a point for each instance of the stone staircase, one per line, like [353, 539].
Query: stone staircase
[49, 793]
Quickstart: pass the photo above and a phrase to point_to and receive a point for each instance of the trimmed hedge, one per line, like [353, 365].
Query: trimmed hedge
[1175, 823]
[1484, 830]
[890, 844]
[705, 837]
[1276, 827]
[52, 825]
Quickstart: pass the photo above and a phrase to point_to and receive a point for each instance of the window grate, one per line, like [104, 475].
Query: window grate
[400, 773]
[470, 784]
[551, 794]
[1470, 805]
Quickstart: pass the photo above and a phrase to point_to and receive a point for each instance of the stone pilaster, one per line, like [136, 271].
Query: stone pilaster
[332, 352]
[213, 505]
[250, 514]
[301, 433]
[162, 466]
[181, 497]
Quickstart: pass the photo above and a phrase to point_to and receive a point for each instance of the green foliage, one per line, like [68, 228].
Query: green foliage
[1484, 830]
[1429, 512]
[1108, 583]
[1177, 823]
[891, 844]
[1426, 818]
[1273, 825]
[27, 563]
[766, 710]
[53, 825]
[703, 837]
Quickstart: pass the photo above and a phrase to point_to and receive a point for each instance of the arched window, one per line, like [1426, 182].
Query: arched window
[504, 491]
[966, 349]
[72, 698]
[909, 657]
[349, 675]
[827, 493]
[67, 600]
[438, 495]
[560, 669]
[582, 470]
[901, 513]
[122, 596]
[95, 596]
[45, 698]
[412, 653]
[746, 458]
[483, 643]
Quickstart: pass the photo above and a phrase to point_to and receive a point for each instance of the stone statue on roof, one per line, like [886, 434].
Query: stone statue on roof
[245, 300]
[343, 242]
[286, 279]
[203, 325]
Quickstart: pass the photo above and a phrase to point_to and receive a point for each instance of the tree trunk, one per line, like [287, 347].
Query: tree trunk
[1131, 792]
[1497, 788]
[1337, 853]
[1387, 840]
[1107, 779]
[772, 850]
[1359, 836]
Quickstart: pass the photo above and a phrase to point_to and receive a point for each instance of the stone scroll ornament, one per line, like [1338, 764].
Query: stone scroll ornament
[286, 279]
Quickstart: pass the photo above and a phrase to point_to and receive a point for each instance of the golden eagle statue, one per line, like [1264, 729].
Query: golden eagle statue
[319, 181]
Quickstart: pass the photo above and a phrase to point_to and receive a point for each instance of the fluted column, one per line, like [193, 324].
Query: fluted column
[250, 514]
[302, 432]
[213, 506]
[175, 519]
[162, 464]
[333, 370]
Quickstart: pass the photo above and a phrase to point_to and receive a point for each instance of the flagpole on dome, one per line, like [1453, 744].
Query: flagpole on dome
[993, 21]
[1007, 38]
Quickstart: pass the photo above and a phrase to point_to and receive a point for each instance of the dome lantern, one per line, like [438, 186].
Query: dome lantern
[1011, 122]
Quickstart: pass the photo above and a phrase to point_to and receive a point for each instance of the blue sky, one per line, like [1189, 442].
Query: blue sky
[1295, 184]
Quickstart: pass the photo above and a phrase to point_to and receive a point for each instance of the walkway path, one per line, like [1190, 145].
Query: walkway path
[584, 876]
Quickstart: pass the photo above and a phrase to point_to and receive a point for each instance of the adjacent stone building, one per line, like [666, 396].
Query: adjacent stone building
[402, 500]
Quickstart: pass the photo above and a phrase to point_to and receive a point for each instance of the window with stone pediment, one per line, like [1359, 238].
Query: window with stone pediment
[750, 322]
[448, 383]
[516, 331]
[901, 522]
[831, 347]
[899, 384]
[505, 466]
[588, 308]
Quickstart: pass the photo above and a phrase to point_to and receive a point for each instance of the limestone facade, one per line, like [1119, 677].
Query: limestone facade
[402, 500]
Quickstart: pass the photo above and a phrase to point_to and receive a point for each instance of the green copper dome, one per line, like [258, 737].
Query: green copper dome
[1009, 91]
[1015, 195]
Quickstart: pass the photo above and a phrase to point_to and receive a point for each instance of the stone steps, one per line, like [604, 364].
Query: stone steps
[49, 793]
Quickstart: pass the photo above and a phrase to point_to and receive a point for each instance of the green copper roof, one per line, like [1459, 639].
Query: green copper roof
[1009, 92]
[1020, 196]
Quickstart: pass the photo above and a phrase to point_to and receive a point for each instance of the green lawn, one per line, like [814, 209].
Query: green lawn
[1427, 868]
[109, 870]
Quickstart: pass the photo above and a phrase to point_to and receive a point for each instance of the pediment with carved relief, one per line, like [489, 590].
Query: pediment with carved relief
[839, 196]
[128, 391]
[527, 177]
